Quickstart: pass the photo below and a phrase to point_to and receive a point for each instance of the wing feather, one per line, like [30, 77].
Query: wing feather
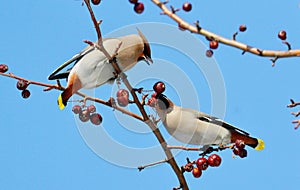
[210, 119]
[56, 75]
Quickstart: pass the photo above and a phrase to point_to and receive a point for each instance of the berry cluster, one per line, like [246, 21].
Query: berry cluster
[214, 44]
[138, 6]
[239, 149]
[202, 164]
[22, 85]
[159, 87]
[88, 113]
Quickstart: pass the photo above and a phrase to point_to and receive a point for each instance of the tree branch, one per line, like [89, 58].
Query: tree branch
[246, 48]
[151, 124]
[58, 87]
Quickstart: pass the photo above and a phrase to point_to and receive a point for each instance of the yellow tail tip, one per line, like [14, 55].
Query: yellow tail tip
[60, 102]
[260, 145]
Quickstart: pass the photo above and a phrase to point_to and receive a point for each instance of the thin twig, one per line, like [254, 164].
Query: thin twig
[297, 122]
[293, 104]
[140, 168]
[296, 114]
[184, 148]
[50, 86]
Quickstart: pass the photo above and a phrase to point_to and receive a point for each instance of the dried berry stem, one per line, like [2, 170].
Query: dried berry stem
[297, 122]
[296, 114]
[229, 42]
[293, 104]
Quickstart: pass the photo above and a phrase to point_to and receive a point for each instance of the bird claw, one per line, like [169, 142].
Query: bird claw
[207, 150]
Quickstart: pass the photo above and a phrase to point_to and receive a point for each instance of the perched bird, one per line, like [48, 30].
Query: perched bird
[194, 127]
[92, 69]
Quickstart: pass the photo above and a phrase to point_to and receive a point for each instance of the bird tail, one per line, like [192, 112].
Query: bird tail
[74, 85]
[260, 144]
[63, 98]
[255, 143]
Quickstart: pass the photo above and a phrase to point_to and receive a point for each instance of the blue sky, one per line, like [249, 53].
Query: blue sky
[43, 147]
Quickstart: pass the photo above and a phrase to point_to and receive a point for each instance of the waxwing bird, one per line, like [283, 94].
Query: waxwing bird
[92, 69]
[194, 127]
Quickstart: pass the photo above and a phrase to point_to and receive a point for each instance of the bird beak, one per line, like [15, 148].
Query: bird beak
[145, 58]
[148, 60]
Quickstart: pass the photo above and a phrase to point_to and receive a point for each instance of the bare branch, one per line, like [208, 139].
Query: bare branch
[226, 41]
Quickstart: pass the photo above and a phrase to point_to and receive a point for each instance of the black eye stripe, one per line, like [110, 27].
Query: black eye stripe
[147, 50]
[163, 101]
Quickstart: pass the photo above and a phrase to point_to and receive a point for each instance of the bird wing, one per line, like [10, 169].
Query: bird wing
[55, 75]
[211, 119]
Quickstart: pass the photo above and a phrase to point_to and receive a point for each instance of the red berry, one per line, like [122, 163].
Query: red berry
[214, 160]
[123, 101]
[197, 172]
[139, 8]
[213, 44]
[243, 28]
[122, 92]
[77, 109]
[96, 119]
[243, 153]
[282, 35]
[133, 1]
[187, 7]
[122, 97]
[96, 2]
[22, 85]
[159, 87]
[3, 68]
[188, 167]
[25, 94]
[91, 109]
[209, 53]
[84, 116]
[240, 144]
[202, 163]
[151, 102]
[236, 151]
